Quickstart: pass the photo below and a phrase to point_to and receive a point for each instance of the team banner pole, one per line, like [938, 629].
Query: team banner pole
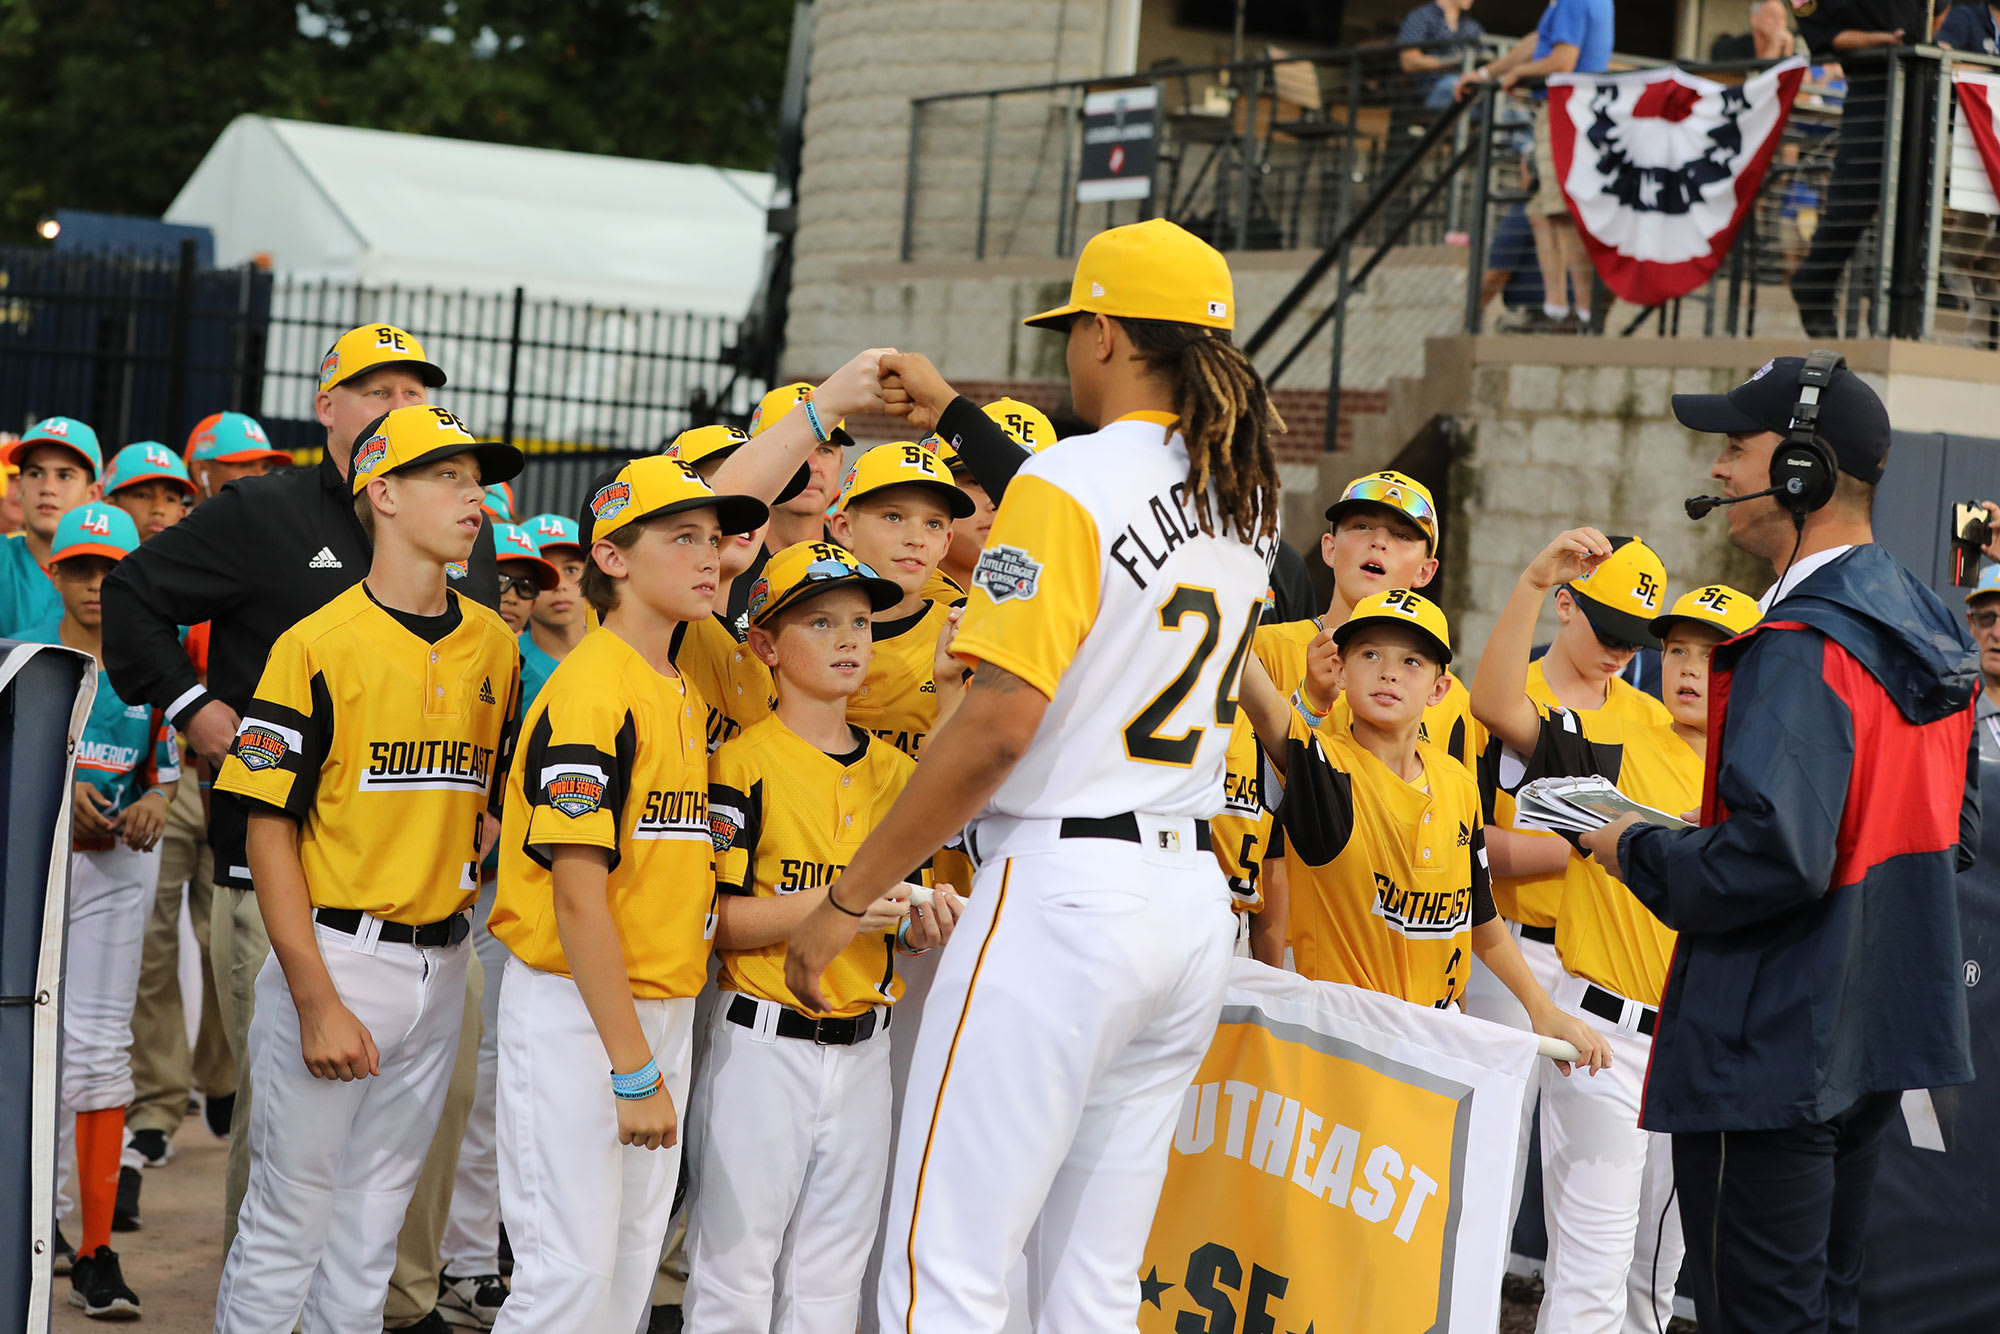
[45, 697]
[1344, 1162]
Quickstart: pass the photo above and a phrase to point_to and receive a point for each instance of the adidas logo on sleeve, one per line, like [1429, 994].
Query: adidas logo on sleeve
[325, 560]
[486, 691]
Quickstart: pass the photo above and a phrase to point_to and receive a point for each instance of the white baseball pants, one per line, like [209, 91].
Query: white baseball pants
[333, 1162]
[471, 1242]
[586, 1215]
[917, 974]
[1069, 1014]
[1614, 1236]
[794, 1162]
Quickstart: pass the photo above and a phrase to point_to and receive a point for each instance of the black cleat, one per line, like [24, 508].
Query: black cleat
[152, 1146]
[125, 1211]
[96, 1285]
[215, 1113]
[664, 1320]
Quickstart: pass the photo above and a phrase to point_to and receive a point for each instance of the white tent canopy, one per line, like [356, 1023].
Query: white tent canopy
[372, 206]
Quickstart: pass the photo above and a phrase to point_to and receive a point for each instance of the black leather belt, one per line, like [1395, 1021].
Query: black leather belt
[430, 935]
[1124, 828]
[1541, 935]
[792, 1024]
[1610, 1005]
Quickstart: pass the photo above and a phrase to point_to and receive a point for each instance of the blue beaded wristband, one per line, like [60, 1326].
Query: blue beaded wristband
[639, 1084]
[820, 433]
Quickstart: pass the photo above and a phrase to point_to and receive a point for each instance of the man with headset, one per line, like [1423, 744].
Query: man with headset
[1818, 972]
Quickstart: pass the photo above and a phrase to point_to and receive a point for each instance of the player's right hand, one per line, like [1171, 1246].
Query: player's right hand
[87, 813]
[1570, 557]
[336, 1045]
[649, 1123]
[913, 390]
[212, 731]
[1321, 686]
[855, 387]
[886, 912]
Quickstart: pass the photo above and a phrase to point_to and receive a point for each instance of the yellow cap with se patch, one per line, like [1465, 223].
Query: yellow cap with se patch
[706, 442]
[1027, 424]
[903, 463]
[371, 346]
[419, 434]
[655, 486]
[1151, 270]
[774, 405]
[806, 570]
[1623, 594]
[1729, 610]
[1393, 491]
[1400, 606]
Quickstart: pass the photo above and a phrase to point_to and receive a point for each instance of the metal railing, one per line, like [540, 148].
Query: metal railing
[142, 349]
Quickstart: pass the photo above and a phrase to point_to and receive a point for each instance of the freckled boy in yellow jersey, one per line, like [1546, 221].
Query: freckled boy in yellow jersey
[795, 1107]
[895, 514]
[1615, 1242]
[606, 900]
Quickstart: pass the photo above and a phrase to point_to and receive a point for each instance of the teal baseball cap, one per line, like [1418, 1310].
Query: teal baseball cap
[68, 432]
[146, 461]
[550, 531]
[499, 503]
[94, 530]
[511, 545]
[231, 437]
[1988, 585]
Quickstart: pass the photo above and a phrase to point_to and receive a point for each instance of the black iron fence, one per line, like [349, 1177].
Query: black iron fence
[142, 350]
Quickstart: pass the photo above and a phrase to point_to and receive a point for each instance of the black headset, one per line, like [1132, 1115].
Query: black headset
[1803, 472]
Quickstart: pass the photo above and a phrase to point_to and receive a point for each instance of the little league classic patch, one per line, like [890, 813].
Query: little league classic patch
[1007, 572]
[576, 792]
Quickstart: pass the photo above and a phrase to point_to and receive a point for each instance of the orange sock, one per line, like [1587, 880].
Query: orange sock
[100, 1139]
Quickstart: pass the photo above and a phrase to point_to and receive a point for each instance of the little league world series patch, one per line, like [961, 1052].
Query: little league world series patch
[575, 790]
[610, 500]
[370, 454]
[262, 745]
[1007, 572]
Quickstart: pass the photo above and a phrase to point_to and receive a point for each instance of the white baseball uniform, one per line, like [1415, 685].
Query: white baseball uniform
[1083, 984]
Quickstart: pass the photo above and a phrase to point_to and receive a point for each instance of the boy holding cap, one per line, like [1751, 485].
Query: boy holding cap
[224, 446]
[365, 758]
[59, 461]
[149, 482]
[1615, 1242]
[795, 1107]
[895, 514]
[126, 768]
[607, 901]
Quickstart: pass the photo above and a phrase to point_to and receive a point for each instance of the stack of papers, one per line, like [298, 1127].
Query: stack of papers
[1579, 805]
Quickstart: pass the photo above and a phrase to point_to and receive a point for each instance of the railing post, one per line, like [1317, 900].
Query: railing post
[1066, 195]
[1482, 177]
[1940, 165]
[986, 175]
[178, 349]
[910, 183]
[1885, 224]
[513, 366]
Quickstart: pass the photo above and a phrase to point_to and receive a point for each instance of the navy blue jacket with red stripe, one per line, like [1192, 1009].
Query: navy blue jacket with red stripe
[1819, 956]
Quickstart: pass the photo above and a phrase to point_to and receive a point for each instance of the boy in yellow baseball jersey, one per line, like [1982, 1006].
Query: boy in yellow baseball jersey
[795, 1108]
[606, 901]
[366, 759]
[895, 514]
[1615, 1242]
[1397, 894]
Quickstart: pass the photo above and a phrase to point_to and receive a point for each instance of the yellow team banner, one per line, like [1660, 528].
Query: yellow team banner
[1343, 1163]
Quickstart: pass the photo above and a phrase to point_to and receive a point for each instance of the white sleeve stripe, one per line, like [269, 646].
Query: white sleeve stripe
[173, 709]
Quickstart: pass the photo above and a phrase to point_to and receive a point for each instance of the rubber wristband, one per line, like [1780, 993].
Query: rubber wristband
[1305, 710]
[841, 907]
[638, 1084]
[903, 945]
[820, 433]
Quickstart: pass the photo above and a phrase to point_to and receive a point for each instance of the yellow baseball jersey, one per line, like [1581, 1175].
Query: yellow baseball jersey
[1447, 724]
[787, 816]
[1535, 900]
[613, 755]
[898, 699]
[1387, 879]
[382, 744]
[734, 681]
[1242, 833]
[1098, 588]
[941, 587]
[1603, 933]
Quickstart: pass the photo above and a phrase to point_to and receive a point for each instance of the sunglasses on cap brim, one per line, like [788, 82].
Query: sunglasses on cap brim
[1404, 501]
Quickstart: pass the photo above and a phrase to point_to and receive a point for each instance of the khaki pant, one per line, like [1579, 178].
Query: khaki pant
[162, 1071]
[238, 946]
[413, 1289]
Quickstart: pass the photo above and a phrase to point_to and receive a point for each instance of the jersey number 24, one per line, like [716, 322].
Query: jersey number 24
[1143, 740]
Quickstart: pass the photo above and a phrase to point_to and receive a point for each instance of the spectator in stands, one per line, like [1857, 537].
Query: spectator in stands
[1770, 36]
[1574, 36]
[1430, 72]
[1973, 27]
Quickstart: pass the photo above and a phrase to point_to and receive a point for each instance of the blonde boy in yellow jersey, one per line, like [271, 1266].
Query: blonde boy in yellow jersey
[606, 901]
[366, 759]
[795, 1108]
[895, 514]
[1615, 1241]
[1394, 894]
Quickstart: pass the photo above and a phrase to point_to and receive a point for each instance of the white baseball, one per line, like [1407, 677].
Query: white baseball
[920, 896]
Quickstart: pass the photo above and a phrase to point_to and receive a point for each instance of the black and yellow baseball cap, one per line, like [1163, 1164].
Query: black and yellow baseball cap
[713, 444]
[1400, 606]
[1622, 595]
[1729, 610]
[1151, 270]
[655, 486]
[1027, 424]
[903, 463]
[806, 570]
[420, 433]
[774, 405]
[1391, 491]
[371, 346]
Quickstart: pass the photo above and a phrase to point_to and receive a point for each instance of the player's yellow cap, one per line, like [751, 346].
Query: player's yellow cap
[806, 570]
[903, 463]
[1622, 595]
[774, 405]
[420, 433]
[1729, 610]
[1151, 270]
[1029, 426]
[372, 345]
[713, 444]
[1400, 606]
[654, 486]
[1395, 491]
